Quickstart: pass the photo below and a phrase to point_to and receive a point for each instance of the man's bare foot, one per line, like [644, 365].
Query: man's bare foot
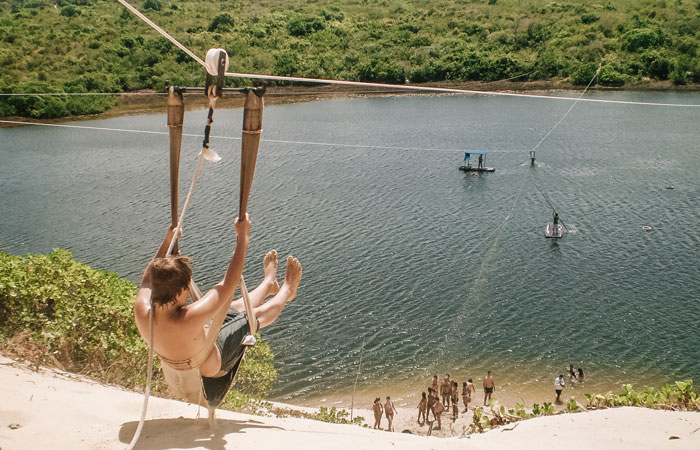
[292, 277]
[270, 268]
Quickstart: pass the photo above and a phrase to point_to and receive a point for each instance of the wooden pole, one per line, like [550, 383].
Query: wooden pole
[252, 128]
[176, 117]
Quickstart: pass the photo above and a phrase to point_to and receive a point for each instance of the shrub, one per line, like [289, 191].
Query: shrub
[657, 64]
[154, 5]
[257, 375]
[333, 415]
[70, 11]
[221, 23]
[679, 75]
[583, 74]
[642, 38]
[382, 72]
[608, 76]
[589, 18]
[304, 26]
[81, 316]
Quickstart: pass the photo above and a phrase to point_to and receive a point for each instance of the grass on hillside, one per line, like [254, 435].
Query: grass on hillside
[97, 45]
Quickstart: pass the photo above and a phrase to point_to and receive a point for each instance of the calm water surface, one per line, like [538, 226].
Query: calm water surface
[438, 271]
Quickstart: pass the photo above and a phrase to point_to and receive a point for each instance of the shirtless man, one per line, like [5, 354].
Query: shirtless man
[446, 390]
[179, 329]
[489, 387]
[435, 385]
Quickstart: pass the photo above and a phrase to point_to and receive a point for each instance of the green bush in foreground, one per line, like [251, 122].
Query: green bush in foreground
[57, 311]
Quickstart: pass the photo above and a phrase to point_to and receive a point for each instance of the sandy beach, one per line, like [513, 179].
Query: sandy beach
[48, 408]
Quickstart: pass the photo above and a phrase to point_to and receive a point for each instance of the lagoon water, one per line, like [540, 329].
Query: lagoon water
[438, 271]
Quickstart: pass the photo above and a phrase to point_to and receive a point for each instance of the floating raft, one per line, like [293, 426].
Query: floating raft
[476, 169]
[554, 232]
[480, 167]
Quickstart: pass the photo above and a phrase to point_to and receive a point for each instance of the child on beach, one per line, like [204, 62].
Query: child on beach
[438, 408]
[471, 389]
[378, 410]
[572, 372]
[422, 408]
[455, 400]
[390, 410]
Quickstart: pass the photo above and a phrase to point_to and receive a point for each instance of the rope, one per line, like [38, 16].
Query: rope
[162, 32]
[276, 141]
[567, 112]
[149, 377]
[359, 369]
[381, 85]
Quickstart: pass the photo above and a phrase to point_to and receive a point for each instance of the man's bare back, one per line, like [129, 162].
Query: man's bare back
[179, 330]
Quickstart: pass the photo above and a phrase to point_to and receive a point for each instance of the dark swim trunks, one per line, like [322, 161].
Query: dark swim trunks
[233, 330]
[488, 390]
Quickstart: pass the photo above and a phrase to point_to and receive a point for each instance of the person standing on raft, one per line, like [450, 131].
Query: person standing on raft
[179, 328]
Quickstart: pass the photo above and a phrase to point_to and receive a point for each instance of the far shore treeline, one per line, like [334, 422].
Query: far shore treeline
[98, 46]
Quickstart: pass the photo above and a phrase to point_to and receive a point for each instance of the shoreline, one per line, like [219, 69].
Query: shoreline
[151, 102]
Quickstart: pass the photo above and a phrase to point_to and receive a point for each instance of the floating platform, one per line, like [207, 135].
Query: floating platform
[476, 169]
[554, 232]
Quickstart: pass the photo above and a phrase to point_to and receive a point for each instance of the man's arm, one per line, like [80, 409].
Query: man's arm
[222, 294]
[160, 253]
[143, 296]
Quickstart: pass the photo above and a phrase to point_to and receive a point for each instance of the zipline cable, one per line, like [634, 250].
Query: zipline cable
[162, 32]
[274, 141]
[384, 85]
[500, 226]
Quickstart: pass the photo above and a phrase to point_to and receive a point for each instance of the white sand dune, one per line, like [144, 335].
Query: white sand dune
[54, 410]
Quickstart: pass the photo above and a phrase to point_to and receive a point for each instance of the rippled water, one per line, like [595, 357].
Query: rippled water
[438, 271]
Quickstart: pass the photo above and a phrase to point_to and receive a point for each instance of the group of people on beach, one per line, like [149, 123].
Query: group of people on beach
[443, 395]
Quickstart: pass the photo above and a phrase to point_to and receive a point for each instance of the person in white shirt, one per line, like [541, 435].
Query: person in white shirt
[559, 386]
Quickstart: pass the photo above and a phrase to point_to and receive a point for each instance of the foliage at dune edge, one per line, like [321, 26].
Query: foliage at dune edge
[99, 46]
[57, 311]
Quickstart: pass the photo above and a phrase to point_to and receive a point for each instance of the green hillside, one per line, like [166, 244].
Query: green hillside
[97, 45]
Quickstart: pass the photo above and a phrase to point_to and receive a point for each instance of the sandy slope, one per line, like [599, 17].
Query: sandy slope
[52, 409]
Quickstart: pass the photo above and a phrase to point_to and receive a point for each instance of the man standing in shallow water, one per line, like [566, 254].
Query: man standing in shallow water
[489, 387]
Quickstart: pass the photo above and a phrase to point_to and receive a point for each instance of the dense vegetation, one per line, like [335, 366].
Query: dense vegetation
[679, 396]
[57, 311]
[97, 45]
